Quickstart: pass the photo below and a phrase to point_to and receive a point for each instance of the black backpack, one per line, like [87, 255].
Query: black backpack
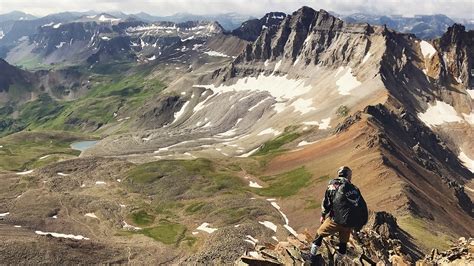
[349, 207]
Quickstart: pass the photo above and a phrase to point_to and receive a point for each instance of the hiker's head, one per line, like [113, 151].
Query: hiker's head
[345, 172]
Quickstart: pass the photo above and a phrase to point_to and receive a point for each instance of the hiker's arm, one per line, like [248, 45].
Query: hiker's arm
[326, 204]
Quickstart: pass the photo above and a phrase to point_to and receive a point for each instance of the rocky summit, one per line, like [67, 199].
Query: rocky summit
[126, 139]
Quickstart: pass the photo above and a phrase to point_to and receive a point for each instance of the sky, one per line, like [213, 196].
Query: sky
[452, 8]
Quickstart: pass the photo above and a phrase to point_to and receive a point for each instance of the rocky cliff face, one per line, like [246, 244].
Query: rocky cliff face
[250, 30]
[456, 48]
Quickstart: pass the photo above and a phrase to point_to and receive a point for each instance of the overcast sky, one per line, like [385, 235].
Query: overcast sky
[452, 8]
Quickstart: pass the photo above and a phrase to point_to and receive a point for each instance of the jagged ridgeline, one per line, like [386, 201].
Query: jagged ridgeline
[192, 144]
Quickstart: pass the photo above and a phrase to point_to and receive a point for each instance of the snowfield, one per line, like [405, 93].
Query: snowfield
[216, 54]
[366, 57]
[254, 184]
[269, 131]
[269, 225]
[471, 93]
[205, 227]
[25, 172]
[303, 106]
[347, 82]
[59, 235]
[467, 162]
[438, 114]
[279, 87]
[91, 215]
[427, 49]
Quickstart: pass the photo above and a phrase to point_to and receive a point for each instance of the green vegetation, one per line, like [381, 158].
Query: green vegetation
[179, 186]
[36, 113]
[106, 96]
[153, 171]
[166, 232]
[194, 207]
[212, 180]
[167, 207]
[234, 215]
[23, 149]
[32, 63]
[428, 236]
[342, 111]
[274, 145]
[285, 184]
[142, 218]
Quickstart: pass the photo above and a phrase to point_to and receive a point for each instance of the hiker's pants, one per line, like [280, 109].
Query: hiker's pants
[329, 227]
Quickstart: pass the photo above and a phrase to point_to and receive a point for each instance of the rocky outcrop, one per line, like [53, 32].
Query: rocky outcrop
[460, 253]
[10, 75]
[308, 33]
[251, 29]
[457, 56]
[381, 241]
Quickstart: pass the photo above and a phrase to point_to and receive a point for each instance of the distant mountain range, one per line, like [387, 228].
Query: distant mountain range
[424, 26]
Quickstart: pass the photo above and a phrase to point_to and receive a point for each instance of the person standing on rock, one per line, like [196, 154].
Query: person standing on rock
[343, 210]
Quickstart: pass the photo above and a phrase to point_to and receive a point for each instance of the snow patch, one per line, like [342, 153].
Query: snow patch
[25, 172]
[100, 183]
[471, 93]
[251, 240]
[427, 49]
[303, 106]
[110, 19]
[466, 161]
[366, 57]
[178, 114]
[4, 214]
[347, 82]
[48, 25]
[269, 225]
[151, 58]
[61, 44]
[105, 38]
[205, 227]
[249, 153]
[59, 235]
[286, 225]
[269, 131]
[1, 34]
[254, 185]
[279, 87]
[57, 25]
[277, 65]
[469, 118]
[217, 54]
[91, 215]
[130, 227]
[62, 174]
[438, 114]
[304, 143]
[43, 157]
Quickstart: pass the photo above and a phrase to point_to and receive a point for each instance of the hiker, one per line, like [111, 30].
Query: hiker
[343, 210]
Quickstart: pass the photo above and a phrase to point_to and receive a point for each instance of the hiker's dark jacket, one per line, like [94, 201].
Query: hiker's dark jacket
[326, 206]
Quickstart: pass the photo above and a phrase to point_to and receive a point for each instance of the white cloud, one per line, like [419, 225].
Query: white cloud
[454, 8]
